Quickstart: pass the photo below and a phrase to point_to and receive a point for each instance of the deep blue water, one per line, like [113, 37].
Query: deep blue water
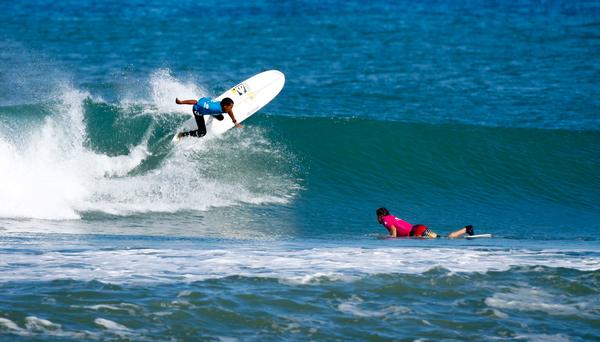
[447, 113]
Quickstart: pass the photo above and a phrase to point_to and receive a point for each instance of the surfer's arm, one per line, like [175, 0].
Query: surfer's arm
[393, 231]
[230, 113]
[190, 102]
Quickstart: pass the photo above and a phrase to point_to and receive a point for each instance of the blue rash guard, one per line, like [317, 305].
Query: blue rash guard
[207, 106]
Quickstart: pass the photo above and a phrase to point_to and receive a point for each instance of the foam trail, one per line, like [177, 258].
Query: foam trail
[198, 178]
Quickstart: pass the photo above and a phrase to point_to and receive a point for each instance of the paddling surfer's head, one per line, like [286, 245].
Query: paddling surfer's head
[381, 212]
[226, 104]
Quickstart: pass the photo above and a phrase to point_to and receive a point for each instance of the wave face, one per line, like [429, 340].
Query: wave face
[518, 179]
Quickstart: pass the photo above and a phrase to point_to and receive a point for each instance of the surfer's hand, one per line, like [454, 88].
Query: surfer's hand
[238, 125]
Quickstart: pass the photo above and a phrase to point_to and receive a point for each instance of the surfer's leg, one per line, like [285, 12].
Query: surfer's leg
[466, 230]
[431, 235]
[201, 131]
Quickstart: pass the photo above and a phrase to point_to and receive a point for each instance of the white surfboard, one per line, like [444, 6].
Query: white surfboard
[248, 97]
[479, 236]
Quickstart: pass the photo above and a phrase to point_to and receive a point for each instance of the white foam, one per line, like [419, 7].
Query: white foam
[499, 314]
[110, 325]
[35, 323]
[542, 338]
[188, 180]
[10, 325]
[354, 307]
[165, 88]
[127, 307]
[227, 339]
[35, 326]
[50, 173]
[104, 306]
[534, 299]
[291, 265]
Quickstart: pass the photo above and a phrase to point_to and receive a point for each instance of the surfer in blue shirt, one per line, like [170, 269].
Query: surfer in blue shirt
[207, 106]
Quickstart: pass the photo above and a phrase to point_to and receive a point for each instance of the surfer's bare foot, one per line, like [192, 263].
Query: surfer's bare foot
[177, 100]
[470, 230]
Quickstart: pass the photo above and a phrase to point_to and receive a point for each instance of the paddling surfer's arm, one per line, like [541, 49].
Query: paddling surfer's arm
[230, 113]
[393, 231]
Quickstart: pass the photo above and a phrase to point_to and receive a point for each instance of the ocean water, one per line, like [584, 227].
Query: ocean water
[446, 112]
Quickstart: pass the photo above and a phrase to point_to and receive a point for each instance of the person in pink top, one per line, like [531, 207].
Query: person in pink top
[400, 228]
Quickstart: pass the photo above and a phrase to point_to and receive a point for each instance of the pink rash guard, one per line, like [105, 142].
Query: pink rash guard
[402, 227]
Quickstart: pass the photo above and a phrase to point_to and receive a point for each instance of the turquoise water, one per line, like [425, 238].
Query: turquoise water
[447, 113]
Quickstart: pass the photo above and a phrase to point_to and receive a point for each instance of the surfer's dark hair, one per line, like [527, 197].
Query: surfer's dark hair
[226, 102]
[382, 212]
